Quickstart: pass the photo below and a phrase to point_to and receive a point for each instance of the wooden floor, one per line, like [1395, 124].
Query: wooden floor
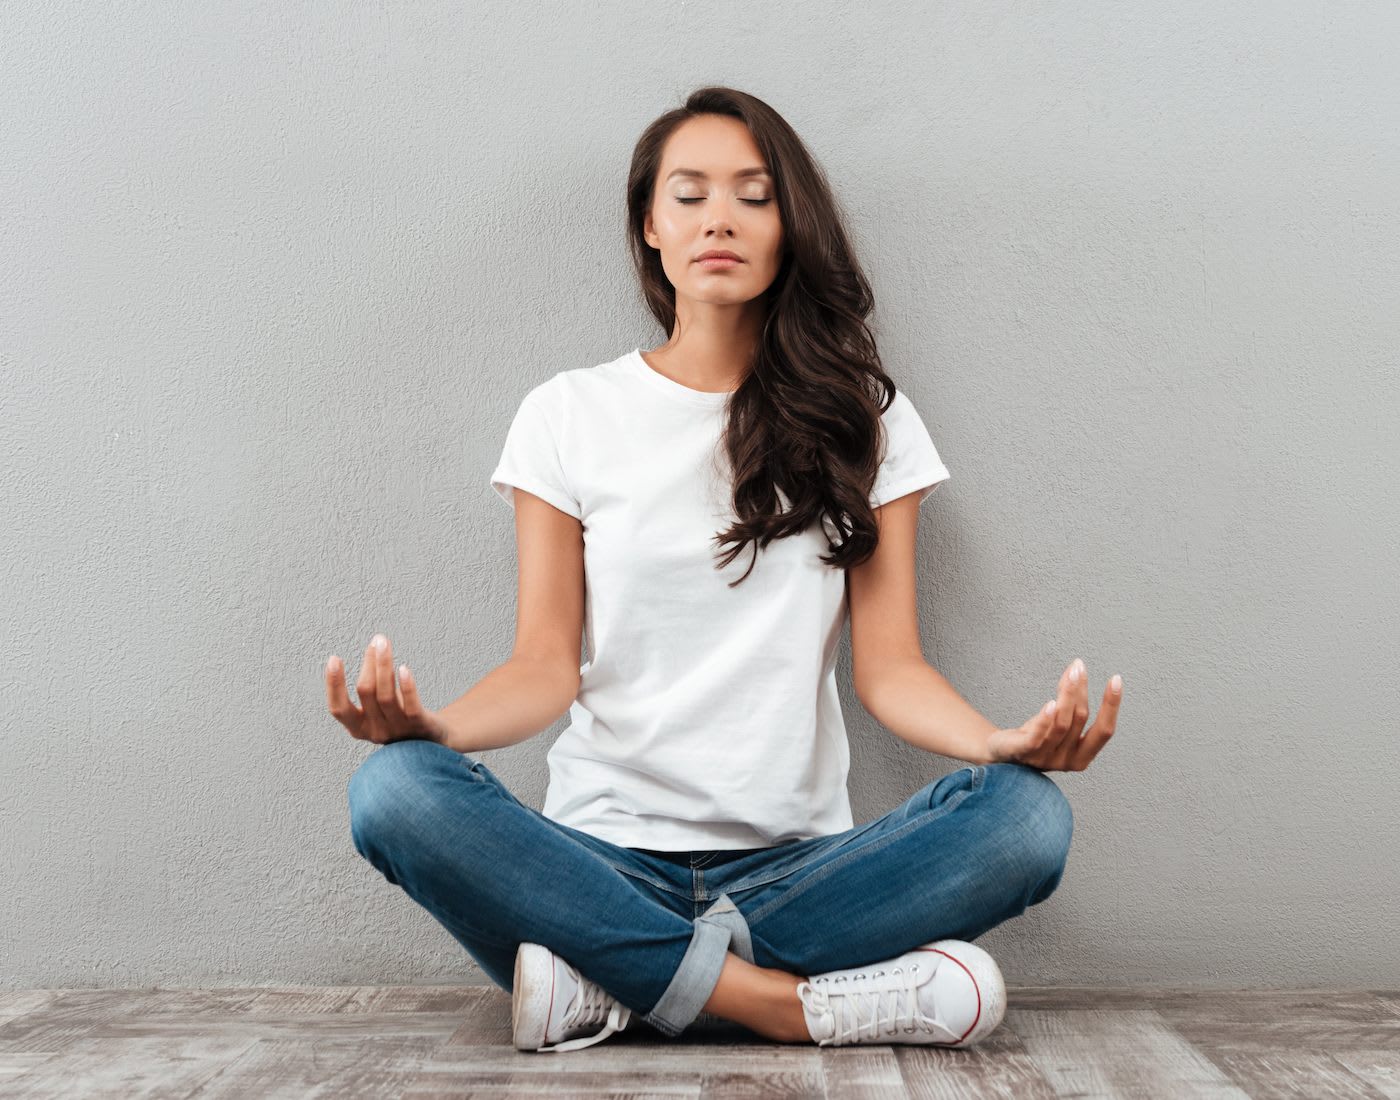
[426, 1041]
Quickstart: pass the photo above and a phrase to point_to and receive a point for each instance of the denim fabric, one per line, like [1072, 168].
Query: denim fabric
[961, 855]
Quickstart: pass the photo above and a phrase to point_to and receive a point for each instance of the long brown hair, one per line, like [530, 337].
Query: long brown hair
[806, 419]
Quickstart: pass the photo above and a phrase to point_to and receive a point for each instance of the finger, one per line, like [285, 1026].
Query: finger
[1059, 738]
[1081, 698]
[368, 685]
[1062, 734]
[408, 689]
[1039, 746]
[385, 695]
[1097, 735]
[1079, 710]
[338, 699]
[1078, 697]
[1040, 735]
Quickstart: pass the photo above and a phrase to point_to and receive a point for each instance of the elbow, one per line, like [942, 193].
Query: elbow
[558, 678]
[870, 679]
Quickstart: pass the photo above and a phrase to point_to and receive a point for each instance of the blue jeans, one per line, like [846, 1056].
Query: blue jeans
[963, 854]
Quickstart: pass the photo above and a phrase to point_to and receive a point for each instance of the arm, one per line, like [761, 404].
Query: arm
[901, 690]
[511, 703]
[526, 694]
[910, 698]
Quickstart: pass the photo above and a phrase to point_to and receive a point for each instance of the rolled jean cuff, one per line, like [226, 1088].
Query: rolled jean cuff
[695, 979]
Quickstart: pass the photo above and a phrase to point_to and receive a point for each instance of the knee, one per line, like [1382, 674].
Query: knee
[1044, 817]
[384, 790]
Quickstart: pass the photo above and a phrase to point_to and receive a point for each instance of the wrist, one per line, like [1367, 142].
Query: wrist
[438, 731]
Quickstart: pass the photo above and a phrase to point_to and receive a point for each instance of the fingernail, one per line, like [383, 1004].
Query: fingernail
[378, 641]
[1117, 683]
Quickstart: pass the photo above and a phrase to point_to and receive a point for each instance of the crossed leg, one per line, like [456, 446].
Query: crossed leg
[962, 855]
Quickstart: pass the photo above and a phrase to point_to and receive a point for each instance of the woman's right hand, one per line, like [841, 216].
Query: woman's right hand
[387, 712]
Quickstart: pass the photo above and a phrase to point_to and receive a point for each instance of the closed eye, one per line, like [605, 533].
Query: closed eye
[751, 202]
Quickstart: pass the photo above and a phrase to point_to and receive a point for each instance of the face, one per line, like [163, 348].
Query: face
[713, 192]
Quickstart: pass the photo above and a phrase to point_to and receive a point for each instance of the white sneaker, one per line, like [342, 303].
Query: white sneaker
[552, 1002]
[948, 993]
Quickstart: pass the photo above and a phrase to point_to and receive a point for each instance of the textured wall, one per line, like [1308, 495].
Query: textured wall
[275, 277]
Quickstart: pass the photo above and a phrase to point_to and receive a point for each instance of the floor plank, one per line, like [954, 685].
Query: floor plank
[454, 1040]
[1119, 1052]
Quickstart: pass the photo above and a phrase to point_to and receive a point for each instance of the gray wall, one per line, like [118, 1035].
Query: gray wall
[275, 277]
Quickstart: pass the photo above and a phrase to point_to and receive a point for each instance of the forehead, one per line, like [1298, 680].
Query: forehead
[712, 147]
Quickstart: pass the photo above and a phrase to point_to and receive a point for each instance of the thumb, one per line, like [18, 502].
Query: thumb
[1015, 743]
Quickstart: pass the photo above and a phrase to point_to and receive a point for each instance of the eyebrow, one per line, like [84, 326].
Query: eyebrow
[758, 171]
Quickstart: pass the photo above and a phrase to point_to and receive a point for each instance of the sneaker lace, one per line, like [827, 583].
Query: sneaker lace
[591, 1005]
[872, 1005]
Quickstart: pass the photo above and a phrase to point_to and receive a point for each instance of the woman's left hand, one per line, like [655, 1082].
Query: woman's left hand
[1052, 741]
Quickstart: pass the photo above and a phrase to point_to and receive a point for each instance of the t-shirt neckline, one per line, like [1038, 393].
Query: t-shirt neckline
[669, 386]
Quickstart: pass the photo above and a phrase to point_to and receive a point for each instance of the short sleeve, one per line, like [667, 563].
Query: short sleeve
[911, 460]
[530, 459]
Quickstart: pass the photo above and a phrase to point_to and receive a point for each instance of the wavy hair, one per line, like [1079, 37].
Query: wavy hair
[806, 419]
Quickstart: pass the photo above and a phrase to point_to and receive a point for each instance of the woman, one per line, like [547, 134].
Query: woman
[696, 852]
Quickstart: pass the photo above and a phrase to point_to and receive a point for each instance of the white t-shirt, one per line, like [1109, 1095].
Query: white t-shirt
[707, 716]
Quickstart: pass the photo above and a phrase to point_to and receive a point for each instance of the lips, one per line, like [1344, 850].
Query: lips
[717, 255]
